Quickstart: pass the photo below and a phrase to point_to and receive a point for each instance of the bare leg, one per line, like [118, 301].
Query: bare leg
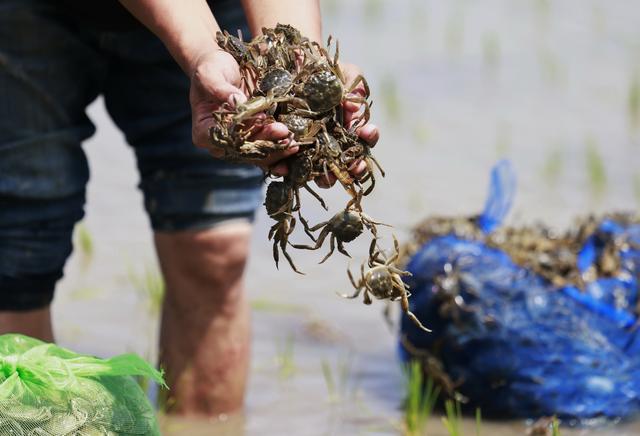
[34, 323]
[205, 333]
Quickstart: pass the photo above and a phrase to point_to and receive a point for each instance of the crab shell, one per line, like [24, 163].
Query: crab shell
[346, 225]
[300, 168]
[323, 91]
[380, 282]
[277, 196]
[295, 123]
[277, 81]
[233, 46]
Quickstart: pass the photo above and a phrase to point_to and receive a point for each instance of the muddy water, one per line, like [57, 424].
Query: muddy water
[456, 85]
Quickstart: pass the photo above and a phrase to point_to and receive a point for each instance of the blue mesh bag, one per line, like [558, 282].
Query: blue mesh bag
[514, 342]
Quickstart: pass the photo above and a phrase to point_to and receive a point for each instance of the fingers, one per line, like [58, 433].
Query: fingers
[210, 81]
[201, 123]
[271, 132]
[370, 134]
[357, 168]
[273, 163]
[325, 182]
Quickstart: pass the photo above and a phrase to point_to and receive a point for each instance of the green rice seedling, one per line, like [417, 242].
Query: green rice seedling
[633, 101]
[555, 426]
[420, 400]
[85, 293]
[337, 382]
[551, 69]
[503, 139]
[454, 32]
[150, 285]
[84, 241]
[491, 49]
[542, 11]
[329, 380]
[636, 187]
[478, 421]
[418, 21]
[330, 8]
[595, 168]
[453, 419]
[264, 305]
[390, 98]
[599, 19]
[420, 133]
[552, 167]
[284, 357]
[373, 11]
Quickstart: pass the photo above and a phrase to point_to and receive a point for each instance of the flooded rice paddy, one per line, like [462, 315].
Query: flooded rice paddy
[552, 85]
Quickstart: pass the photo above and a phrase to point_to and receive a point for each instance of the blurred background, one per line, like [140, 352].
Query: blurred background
[552, 85]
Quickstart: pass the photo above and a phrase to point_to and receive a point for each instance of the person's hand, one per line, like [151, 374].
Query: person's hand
[369, 132]
[216, 80]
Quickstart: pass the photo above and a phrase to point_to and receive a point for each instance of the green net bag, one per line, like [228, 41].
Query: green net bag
[46, 390]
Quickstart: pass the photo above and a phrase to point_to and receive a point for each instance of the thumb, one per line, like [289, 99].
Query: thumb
[224, 92]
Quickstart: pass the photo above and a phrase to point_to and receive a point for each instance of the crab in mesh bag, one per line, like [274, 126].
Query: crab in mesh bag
[46, 390]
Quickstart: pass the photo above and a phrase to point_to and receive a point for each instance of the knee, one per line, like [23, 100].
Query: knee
[210, 261]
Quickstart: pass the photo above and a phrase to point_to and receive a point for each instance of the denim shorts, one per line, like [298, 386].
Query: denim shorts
[52, 66]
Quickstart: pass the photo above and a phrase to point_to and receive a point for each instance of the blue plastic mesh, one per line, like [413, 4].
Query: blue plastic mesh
[519, 346]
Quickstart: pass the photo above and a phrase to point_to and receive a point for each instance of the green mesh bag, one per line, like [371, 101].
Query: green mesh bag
[46, 390]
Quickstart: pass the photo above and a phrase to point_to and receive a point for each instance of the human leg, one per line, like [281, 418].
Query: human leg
[205, 335]
[44, 89]
[200, 209]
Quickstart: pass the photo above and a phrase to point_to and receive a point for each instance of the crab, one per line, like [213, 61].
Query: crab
[324, 84]
[383, 280]
[328, 158]
[344, 226]
[247, 56]
[267, 104]
[277, 80]
[279, 203]
[300, 172]
[451, 303]
[235, 142]
[355, 150]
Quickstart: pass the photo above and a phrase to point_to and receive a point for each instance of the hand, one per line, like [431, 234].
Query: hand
[369, 132]
[216, 80]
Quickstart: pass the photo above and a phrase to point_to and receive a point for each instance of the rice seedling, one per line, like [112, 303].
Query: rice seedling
[264, 305]
[420, 133]
[453, 419]
[633, 100]
[503, 139]
[542, 11]
[337, 381]
[552, 167]
[373, 11]
[454, 32]
[595, 168]
[284, 357]
[330, 8]
[636, 187]
[478, 421]
[551, 69]
[599, 19]
[420, 399]
[84, 242]
[418, 20]
[85, 293]
[491, 49]
[555, 427]
[150, 285]
[390, 98]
